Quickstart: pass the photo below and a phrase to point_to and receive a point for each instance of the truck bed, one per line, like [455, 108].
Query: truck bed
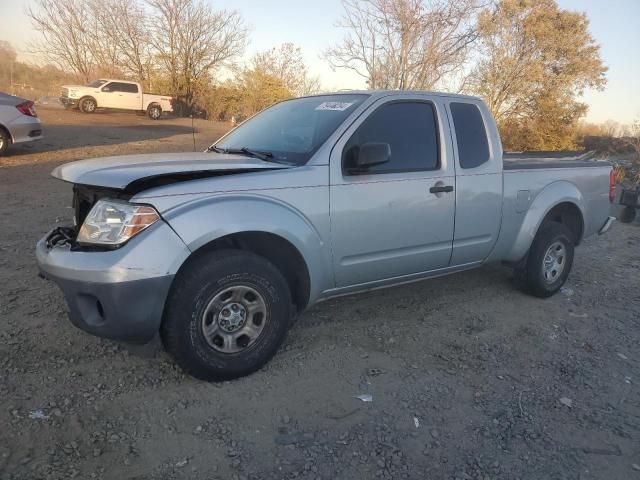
[546, 160]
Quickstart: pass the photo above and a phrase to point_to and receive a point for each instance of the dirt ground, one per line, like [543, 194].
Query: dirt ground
[470, 378]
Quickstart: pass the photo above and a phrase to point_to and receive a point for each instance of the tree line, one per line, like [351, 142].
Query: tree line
[529, 60]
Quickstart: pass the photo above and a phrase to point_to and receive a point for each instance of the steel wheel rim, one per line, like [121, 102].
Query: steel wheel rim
[234, 319]
[554, 262]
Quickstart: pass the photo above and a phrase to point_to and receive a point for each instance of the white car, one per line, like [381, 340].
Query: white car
[115, 95]
[19, 121]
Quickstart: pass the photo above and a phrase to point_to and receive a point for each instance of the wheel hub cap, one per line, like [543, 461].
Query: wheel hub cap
[234, 319]
[554, 262]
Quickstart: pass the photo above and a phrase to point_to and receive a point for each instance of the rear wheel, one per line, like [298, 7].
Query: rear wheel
[88, 105]
[627, 214]
[226, 315]
[549, 260]
[154, 112]
[4, 142]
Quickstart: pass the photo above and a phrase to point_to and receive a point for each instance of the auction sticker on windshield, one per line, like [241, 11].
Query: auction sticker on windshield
[336, 106]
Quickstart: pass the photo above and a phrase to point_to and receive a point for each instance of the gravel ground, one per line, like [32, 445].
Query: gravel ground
[469, 378]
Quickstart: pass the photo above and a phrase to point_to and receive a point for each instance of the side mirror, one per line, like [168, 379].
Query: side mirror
[368, 155]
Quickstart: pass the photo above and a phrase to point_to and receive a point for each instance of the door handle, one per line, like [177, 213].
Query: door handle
[441, 189]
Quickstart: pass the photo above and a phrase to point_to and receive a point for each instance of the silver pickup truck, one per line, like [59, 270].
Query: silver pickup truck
[314, 197]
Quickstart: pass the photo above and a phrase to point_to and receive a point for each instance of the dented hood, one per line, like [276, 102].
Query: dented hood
[130, 172]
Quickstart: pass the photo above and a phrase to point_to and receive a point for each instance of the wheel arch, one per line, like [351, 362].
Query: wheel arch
[85, 97]
[265, 226]
[274, 248]
[560, 201]
[6, 130]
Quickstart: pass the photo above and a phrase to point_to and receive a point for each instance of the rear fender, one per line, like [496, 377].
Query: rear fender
[201, 221]
[550, 196]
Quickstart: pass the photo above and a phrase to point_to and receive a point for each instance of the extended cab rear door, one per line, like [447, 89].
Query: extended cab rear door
[478, 180]
[393, 219]
[121, 95]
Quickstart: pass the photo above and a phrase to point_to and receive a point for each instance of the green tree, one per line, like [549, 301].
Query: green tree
[537, 60]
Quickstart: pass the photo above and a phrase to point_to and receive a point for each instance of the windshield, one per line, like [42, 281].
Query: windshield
[96, 83]
[293, 130]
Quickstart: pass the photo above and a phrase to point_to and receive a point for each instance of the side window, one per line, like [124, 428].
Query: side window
[129, 87]
[121, 87]
[473, 147]
[410, 130]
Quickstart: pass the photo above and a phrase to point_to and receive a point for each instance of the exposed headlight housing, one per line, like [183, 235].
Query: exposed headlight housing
[113, 222]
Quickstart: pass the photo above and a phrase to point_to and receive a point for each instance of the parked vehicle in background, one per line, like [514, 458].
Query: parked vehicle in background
[630, 201]
[19, 121]
[115, 95]
[49, 102]
[312, 198]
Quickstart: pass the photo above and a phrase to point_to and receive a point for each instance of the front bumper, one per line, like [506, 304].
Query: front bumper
[118, 294]
[69, 102]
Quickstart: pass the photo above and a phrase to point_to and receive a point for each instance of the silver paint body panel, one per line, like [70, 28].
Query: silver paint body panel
[362, 232]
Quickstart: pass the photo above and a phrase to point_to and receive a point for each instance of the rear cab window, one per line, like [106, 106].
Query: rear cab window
[410, 129]
[471, 135]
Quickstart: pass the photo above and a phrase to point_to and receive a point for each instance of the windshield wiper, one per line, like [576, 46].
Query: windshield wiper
[265, 156]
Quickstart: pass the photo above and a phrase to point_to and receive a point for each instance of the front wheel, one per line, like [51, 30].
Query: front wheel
[88, 105]
[549, 260]
[227, 315]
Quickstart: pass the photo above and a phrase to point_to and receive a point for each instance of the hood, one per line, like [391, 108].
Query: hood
[74, 86]
[134, 173]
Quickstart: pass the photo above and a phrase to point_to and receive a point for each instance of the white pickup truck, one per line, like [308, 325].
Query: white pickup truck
[115, 95]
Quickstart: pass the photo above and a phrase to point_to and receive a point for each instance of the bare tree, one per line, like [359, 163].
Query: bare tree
[286, 64]
[65, 26]
[404, 44]
[192, 39]
[124, 31]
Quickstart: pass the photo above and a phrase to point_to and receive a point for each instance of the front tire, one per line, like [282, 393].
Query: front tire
[88, 105]
[227, 314]
[549, 260]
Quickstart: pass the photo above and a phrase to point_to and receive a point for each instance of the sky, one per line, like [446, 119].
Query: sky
[311, 25]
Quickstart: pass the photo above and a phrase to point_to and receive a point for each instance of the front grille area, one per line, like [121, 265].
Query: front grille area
[64, 92]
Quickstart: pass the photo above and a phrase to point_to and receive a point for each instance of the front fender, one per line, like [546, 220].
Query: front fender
[553, 194]
[206, 219]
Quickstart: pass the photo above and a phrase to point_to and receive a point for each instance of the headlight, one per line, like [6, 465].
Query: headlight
[111, 222]
[73, 93]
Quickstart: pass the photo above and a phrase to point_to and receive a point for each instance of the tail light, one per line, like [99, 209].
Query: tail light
[27, 108]
[612, 185]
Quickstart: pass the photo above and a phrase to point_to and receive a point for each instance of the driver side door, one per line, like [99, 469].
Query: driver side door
[397, 218]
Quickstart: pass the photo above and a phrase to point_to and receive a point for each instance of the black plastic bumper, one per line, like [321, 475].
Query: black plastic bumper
[127, 311]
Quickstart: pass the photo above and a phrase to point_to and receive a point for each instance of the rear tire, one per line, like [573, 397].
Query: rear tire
[154, 111]
[227, 314]
[628, 214]
[4, 142]
[88, 105]
[549, 261]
